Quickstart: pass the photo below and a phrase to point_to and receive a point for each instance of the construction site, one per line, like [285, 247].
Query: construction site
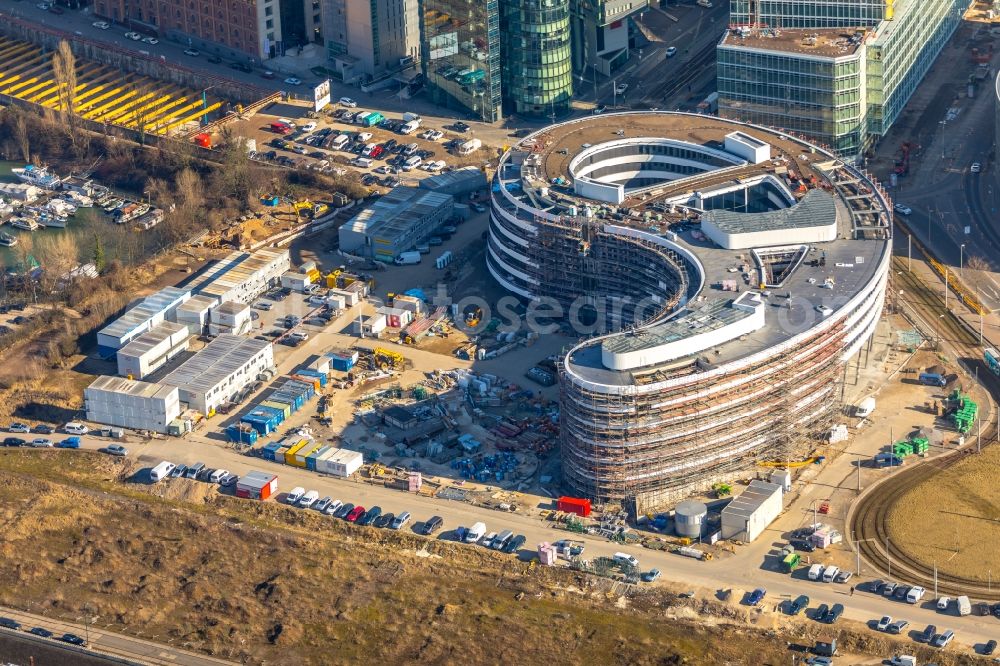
[733, 276]
[103, 94]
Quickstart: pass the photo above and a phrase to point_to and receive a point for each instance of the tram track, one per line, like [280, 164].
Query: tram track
[868, 520]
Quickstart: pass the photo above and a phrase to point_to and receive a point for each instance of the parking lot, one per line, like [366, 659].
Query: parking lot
[340, 143]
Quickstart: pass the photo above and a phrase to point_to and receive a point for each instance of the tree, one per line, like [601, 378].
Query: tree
[21, 132]
[100, 261]
[64, 71]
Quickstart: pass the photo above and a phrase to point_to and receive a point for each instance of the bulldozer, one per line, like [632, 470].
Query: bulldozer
[309, 209]
[473, 317]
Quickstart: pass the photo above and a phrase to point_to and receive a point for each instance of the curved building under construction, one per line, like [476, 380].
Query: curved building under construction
[729, 273]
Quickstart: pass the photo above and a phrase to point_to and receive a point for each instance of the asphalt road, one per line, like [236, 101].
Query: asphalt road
[100, 641]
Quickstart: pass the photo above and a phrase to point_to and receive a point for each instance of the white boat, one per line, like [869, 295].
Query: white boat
[37, 176]
[78, 199]
[24, 223]
[53, 222]
[61, 207]
[7, 240]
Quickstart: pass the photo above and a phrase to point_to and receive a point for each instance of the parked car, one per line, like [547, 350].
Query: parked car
[943, 639]
[976, 167]
[803, 545]
[9, 623]
[194, 53]
[369, 516]
[76, 428]
[348, 102]
[399, 521]
[295, 495]
[41, 443]
[797, 606]
[990, 647]
[150, 40]
[344, 509]
[40, 631]
[322, 504]
[333, 507]
[927, 635]
[115, 450]
[384, 520]
[69, 443]
[884, 623]
[218, 475]
[432, 524]
[19, 427]
[101, 25]
[13, 441]
[915, 594]
[515, 544]
[902, 209]
[943, 603]
[134, 36]
[355, 514]
[43, 429]
[897, 627]
[308, 499]
[650, 576]
[835, 612]
[671, 51]
[72, 639]
[844, 576]
[889, 588]
[178, 471]
[756, 596]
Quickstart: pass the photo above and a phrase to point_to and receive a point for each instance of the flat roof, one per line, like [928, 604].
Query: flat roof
[824, 42]
[751, 499]
[221, 358]
[825, 192]
[154, 336]
[395, 213]
[131, 387]
[697, 318]
[148, 308]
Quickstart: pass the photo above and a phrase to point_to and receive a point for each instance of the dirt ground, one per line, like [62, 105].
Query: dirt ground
[951, 519]
[258, 582]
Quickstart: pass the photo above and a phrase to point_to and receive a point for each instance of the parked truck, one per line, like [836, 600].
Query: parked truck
[407, 258]
[932, 379]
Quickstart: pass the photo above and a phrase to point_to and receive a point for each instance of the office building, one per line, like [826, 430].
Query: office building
[142, 316]
[537, 76]
[240, 29]
[837, 72]
[691, 374]
[128, 403]
[460, 55]
[600, 30]
[369, 40]
[220, 371]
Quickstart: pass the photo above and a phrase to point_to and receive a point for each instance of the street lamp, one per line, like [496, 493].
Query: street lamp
[961, 260]
[812, 505]
[857, 551]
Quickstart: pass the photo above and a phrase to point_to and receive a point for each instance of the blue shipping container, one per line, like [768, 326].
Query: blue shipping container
[312, 457]
[277, 414]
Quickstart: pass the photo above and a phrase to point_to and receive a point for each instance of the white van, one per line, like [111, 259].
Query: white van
[410, 127]
[625, 558]
[475, 533]
[367, 152]
[362, 162]
[339, 142]
[296, 494]
[76, 428]
[502, 540]
[161, 471]
[411, 163]
[830, 574]
[903, 660]
[308, 499]
[815, 572]
[915, 594]
[964, 607]
[218, 475]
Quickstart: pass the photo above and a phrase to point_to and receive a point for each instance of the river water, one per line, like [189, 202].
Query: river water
[120, 241]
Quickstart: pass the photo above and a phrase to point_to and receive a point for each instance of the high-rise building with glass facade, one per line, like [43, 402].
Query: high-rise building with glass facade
[838, 71]
[460, 45]
[537, 67]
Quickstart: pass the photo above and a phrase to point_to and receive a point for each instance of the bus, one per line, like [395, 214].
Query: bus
[992, 358]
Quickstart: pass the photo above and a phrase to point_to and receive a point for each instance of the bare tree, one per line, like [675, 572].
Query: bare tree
[64, 70]
[21, 133]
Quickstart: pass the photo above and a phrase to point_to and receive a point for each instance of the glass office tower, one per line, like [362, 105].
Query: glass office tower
[842, 86]
[537, 63]
[460, 44]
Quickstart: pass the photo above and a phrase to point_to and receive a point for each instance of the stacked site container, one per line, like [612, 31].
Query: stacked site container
[312, 376]
[299, 459]
[293, 449]
[268, 450]
[279, 454]
[280, 406]
[264, 421]
[243, 433]
[306, 379]
[314, 456]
